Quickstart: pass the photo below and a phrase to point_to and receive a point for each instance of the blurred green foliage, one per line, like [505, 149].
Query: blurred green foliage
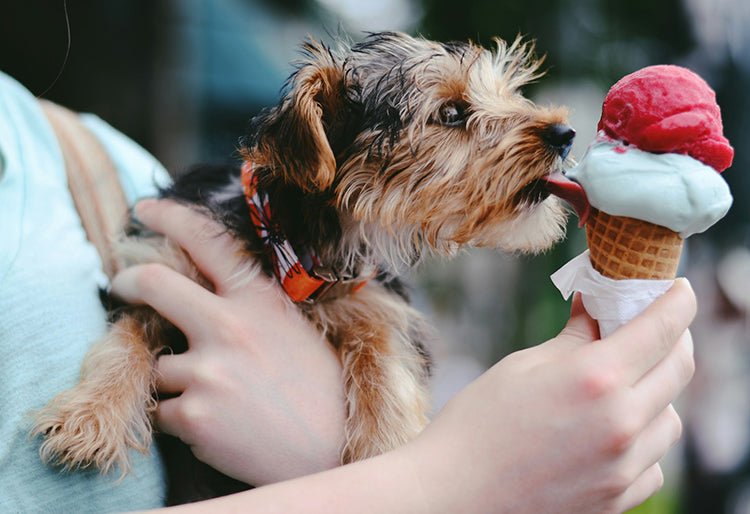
[666, 502]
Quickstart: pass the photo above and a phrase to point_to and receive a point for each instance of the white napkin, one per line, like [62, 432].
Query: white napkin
[611, 302]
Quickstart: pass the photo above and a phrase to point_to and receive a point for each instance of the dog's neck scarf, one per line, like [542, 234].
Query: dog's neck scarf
[302, 276]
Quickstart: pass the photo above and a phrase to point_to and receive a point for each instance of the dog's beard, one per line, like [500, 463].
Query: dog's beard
[534, 230]
[396, 249]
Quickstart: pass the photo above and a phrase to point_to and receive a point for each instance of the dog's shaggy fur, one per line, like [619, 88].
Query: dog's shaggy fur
[378, 154]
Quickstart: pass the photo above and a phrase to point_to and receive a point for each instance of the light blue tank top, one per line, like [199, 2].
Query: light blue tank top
[49, 308]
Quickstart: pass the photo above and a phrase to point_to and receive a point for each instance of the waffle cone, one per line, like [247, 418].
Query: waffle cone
[622, 248]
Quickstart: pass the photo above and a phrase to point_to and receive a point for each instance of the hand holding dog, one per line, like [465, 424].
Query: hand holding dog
[571, 425]
[260, 394]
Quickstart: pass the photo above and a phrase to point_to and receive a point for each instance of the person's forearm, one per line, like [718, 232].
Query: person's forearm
[388, 483]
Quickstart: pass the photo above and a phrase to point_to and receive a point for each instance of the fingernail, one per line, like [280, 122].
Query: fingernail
[689, 342]
[688, 284]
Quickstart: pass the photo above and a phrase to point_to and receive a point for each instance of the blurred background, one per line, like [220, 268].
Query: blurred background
[184, 77]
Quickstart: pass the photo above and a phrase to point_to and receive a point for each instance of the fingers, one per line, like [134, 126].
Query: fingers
[645, 486]
[186, 417]
[174, 296]
[639, 345]
[169, 418]
[664, 382]
[654, 442]
[212, 249]
[173, 373]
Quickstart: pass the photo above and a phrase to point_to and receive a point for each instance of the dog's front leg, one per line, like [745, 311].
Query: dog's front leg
[385, 369]
[98, 421]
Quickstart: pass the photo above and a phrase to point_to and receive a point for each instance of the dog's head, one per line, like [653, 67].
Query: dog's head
[421, 144]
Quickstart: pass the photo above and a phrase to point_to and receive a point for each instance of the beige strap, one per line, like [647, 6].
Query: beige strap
[93, 182]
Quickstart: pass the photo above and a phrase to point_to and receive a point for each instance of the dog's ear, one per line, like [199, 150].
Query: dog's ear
[293, 137]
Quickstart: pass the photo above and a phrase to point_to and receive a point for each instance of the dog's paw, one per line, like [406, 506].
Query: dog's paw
[83, 431]
[382, 415]
[368, 436]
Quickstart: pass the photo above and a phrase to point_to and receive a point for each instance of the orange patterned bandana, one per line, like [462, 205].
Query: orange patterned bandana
[302, 276]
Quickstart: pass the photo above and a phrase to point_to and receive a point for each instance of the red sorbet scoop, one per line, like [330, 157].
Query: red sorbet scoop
[667, 109]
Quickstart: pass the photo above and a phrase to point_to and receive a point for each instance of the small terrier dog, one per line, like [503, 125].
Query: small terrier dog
[378, 154]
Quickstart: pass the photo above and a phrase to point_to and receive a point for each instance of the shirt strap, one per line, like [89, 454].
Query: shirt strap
[93, 182]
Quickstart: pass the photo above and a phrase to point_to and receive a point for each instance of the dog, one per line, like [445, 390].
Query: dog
[378, 154]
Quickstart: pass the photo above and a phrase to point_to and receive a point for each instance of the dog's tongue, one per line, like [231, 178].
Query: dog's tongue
[559, 185]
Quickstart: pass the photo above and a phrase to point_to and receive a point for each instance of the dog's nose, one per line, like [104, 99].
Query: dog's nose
[560, 138]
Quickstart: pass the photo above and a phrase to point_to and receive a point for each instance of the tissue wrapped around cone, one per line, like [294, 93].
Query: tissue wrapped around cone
[627, 248]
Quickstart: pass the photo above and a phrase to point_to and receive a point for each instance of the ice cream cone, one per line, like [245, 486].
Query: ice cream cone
[627, 248]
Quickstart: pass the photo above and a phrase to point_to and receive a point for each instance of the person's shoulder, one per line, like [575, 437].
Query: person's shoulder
[21, 118]
[9, 85]
[140, 172]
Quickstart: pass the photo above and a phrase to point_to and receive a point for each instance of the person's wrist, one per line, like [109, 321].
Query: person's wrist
[415, 490]
[454, 473]
[433, 472]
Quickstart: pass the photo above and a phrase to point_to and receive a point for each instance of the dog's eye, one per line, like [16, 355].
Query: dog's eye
[452, 114]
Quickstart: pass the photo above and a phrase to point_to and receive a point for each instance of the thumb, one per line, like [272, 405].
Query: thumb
[581, 326]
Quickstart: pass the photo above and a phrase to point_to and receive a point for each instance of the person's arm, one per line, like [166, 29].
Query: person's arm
[571, 425]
